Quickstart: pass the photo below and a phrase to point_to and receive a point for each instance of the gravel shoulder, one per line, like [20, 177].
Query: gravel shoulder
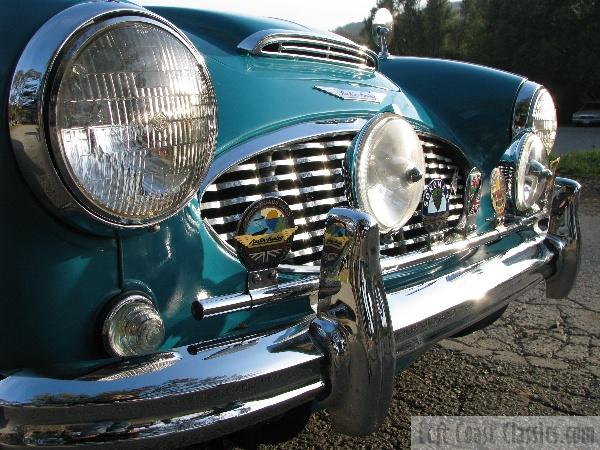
[541, 358]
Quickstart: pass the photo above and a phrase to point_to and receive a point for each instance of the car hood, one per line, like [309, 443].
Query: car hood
[276, 92]
[222, 30]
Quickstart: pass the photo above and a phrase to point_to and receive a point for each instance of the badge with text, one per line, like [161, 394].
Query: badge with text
[436, 206]
[265, 234]
[498, 192]
[357, 96]
[473, 191]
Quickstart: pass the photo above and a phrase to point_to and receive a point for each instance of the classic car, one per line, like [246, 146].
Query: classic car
[211, 220]
[588, 114]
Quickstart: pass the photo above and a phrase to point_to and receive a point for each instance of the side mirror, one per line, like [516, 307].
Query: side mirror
[383, 24]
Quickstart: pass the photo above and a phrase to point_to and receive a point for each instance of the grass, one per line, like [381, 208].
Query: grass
[580, 164]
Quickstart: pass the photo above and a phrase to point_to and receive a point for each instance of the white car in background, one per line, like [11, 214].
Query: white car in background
[588, 114]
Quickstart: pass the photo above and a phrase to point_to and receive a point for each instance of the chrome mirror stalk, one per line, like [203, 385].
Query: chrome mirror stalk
[382, 26]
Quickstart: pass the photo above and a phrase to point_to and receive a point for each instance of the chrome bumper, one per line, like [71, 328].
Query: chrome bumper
[344, 356]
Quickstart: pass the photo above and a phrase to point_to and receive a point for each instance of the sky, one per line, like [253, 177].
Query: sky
[319, 14]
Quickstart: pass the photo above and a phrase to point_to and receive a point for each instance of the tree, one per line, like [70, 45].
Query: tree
[437, 24]
[553, 42]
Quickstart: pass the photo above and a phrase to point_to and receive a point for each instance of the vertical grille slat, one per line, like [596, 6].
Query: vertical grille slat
[309, 177]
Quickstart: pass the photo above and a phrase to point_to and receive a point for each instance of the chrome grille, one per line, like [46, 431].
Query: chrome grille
[509, 174]
[439, 163]
[309, 177]
[326, 50]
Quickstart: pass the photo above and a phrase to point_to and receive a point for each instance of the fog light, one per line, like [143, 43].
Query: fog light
[532, 171]
[133, 327]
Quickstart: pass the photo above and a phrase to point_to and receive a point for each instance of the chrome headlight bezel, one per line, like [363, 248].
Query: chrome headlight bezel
[413, 176]
[529, 164]
[529, 98]
[33, 121]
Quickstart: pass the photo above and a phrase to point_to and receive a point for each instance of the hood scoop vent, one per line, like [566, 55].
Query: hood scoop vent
[323, 47]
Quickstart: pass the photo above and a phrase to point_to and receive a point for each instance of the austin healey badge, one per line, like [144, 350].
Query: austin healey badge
[265, 234]
[436, 206]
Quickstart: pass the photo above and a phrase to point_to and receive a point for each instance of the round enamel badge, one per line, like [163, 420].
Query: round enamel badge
[265, 233]
[498, 192]
[436, 205]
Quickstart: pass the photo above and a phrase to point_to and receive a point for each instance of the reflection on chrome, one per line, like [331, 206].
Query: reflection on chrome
[354, 323]
[564, 234]
[134, 367]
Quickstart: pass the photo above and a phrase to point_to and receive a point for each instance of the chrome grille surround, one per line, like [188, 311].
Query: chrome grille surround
[308, 173]
[317, 46]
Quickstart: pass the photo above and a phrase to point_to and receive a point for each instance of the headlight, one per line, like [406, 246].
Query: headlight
[387, 167]
[133, 327]
[129, 110]
[543, 119]
[531, 170]
[535, 110]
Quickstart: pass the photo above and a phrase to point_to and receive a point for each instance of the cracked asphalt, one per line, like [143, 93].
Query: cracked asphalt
[541, 358]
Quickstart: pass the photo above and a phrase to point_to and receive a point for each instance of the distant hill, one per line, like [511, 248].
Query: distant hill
[352, 31]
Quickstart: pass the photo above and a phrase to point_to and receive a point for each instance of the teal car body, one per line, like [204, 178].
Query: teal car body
[58, 275]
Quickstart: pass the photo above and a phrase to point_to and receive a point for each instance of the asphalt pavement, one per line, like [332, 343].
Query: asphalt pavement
[575, 139]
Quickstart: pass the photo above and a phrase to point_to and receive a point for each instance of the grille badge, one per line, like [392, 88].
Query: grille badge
[473, 191]
[264, 234]
[436, 206]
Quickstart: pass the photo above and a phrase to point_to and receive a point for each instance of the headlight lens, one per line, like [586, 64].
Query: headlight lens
[133, 327]
[388, 166]
[134, 122]
[532, 171]
[543, 119]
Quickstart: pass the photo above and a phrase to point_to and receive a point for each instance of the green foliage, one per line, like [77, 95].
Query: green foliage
[553, 42]
[580, 164]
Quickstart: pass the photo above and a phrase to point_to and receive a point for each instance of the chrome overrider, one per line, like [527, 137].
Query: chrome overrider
[564, 234]
[353, 324]
[343, 356]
